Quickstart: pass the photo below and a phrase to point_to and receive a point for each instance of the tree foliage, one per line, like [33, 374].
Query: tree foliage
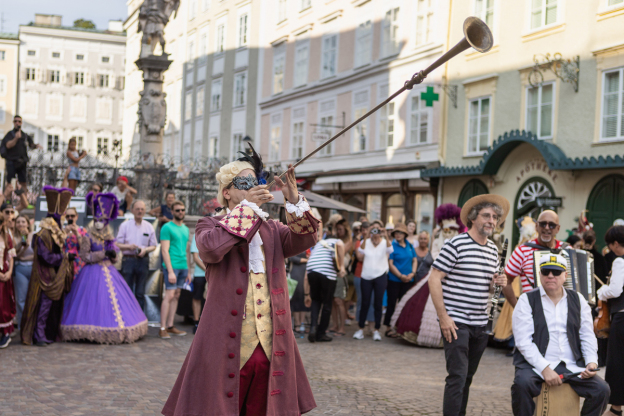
[85, 24]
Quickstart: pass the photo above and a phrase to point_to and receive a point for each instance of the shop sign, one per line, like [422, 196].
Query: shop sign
[533, 166]
[549, 201]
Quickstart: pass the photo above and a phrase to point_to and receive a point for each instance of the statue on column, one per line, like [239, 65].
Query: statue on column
[153, 17]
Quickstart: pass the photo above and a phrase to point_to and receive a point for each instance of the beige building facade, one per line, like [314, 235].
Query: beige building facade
[71, 84]
[540, 137]
[210, 106]
[324, 65]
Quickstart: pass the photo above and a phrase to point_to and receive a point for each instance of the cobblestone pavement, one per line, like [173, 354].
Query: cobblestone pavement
[348, 377]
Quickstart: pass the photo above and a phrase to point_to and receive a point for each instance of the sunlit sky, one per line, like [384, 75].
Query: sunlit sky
[22, 12]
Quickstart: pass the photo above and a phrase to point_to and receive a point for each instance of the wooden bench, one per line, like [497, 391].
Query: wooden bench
[557, 401]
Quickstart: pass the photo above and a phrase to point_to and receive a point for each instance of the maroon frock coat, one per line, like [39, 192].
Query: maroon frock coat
[208, 383]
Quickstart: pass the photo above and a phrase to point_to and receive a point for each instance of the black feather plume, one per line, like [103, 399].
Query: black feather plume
[256, 161]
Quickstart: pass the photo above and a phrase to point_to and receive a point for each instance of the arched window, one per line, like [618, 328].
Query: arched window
[605, 204]
[526, 202]
[472, 188]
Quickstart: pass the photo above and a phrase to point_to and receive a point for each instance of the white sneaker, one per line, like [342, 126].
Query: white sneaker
[359, 334]
[376, 336]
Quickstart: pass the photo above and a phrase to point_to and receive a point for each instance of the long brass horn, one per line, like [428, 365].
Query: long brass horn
[476, 35]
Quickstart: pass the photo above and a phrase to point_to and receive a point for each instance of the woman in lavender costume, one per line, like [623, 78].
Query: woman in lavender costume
[100, 306]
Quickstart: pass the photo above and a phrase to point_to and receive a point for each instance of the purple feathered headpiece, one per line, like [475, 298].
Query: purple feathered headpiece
[104, 206]
[448, 212]
[58, 200]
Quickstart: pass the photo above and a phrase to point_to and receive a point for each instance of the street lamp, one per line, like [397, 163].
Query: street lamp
[246, 140]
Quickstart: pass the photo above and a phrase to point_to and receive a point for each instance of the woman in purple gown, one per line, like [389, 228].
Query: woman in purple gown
[100, 306]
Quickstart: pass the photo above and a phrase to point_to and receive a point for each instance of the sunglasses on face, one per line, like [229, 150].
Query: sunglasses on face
[179, 210]
[548, 224]
[9, 212]
[555, 273]
[245, 183]
[70, 216]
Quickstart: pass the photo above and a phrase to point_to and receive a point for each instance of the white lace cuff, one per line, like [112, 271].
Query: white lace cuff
[256, 208]
[298, 209]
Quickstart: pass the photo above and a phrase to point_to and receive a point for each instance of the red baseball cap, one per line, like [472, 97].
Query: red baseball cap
[122, 178]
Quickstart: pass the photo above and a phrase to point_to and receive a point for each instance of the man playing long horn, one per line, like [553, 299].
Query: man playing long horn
[244, 359]
[459, 283]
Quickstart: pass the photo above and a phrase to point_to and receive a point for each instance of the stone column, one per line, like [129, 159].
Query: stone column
[152, 106]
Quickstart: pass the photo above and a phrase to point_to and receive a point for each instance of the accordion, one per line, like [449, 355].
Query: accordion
[580, 271]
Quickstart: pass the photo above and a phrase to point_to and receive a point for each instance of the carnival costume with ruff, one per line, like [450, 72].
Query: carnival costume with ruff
[415, 317]
[101, 306]
[52, 273]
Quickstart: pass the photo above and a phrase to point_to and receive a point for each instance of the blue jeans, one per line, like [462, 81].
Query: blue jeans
[74, 173]
[20, 282]
[378, 286]
[180, 278]
[134, 271]
[370, 316]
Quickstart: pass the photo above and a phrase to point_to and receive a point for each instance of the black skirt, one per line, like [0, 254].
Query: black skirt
[614, 375]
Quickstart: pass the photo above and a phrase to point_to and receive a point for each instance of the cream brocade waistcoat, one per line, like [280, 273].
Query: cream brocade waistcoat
[257, 321]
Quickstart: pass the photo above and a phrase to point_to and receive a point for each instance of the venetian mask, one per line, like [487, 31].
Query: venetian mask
[99, 225]
[245, 183]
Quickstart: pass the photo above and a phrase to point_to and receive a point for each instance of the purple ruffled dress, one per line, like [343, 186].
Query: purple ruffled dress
[100, 306]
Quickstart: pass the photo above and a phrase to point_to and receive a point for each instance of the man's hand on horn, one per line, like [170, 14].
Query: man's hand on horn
[289, 188]
[259, 195]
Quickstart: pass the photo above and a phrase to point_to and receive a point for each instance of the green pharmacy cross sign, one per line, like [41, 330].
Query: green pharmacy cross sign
[429, 97]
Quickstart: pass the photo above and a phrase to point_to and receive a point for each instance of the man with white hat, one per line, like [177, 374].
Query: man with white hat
[554, 335]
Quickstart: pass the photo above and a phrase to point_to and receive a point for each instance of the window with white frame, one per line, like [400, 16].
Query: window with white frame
[302, 53]
[240, 89]
[424, 22]
[2, 55]
[106, 59]
[188, 105]
[390, 32]
[484, 10]
[205, 5]
[79, 78]
[360, 133]
[386, 126]
[220, 38]
[279, 59]
[330, 55]
[213, 146]
[543, 13]
[199, 105]
[56, 55]
[276, 137]
[55, 107]
[363, 43]
[80, 57]
[298, 133]
[53, 142]
[102, 145]
[614, 2]
[325, 122]
[242, 29]
[55, 76]
[479, 125]
[215, 95]
[103, 81]
[190, 51]
[3, 85]
[31, 74]
[192, 9]
[305, 5]
[281, 10]
[32, 53]
[79, 143]
[237, 145]
[613, 104]
[78, 108]
[540, 110]
[104, 110]
[203, 43]
[419, 120]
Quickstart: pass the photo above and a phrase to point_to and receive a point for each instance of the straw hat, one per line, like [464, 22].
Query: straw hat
[476, 200]
[400, 227]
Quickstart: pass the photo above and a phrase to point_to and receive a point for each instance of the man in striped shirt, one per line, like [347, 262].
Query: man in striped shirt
[460, 283]
[521, 261]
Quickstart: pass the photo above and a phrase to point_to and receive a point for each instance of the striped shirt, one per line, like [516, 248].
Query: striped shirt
[469, 268]
[521, 264]
[322, 258]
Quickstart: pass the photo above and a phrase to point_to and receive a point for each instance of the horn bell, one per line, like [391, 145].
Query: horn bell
[478, 34]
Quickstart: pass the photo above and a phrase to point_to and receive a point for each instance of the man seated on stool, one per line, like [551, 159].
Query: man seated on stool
[554, 335]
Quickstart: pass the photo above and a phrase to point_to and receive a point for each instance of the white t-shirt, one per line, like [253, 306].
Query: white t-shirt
[375, 259]
[121, 196]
